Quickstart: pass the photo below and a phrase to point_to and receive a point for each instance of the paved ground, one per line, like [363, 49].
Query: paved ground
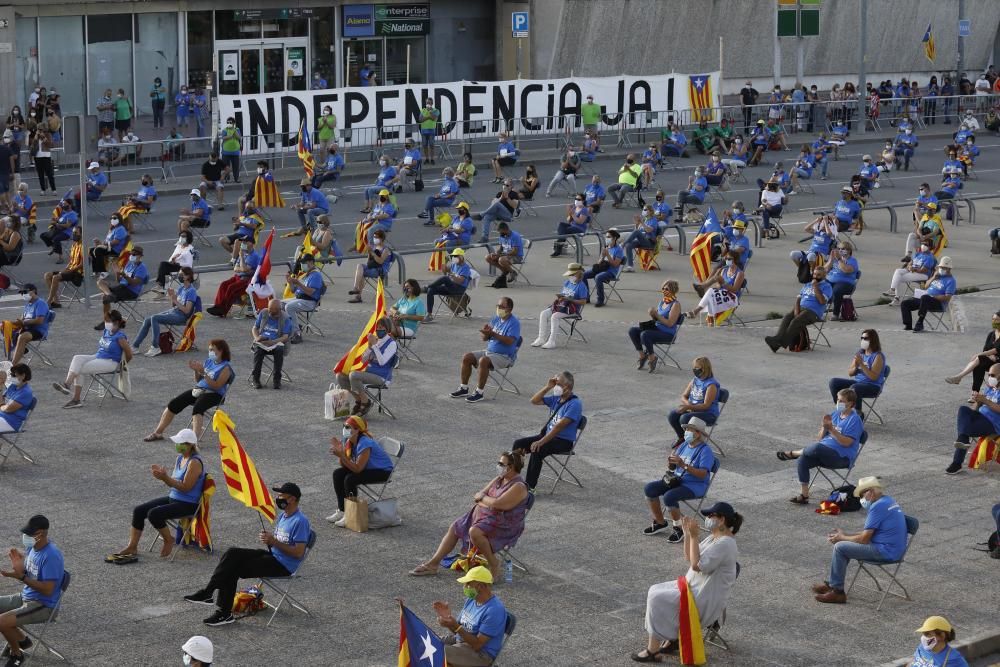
[590, 566]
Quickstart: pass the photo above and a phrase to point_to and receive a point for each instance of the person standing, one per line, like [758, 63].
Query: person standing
[105, 113]
[232, 145]
[123, 114]
[748, 97]
[430, 116]
[590, 115]
[182, 100]
[326, 132]
[158, 98]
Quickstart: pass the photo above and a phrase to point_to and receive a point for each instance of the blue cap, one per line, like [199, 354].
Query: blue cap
[722, 509]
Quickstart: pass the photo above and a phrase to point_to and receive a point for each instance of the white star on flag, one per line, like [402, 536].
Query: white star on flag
[429, 649]
[699, 83]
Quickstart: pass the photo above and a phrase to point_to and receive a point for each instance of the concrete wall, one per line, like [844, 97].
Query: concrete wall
[8, 60]
[610, 37]
[461, 44]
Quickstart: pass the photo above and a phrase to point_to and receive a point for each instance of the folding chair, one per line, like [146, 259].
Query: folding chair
[526, 207]
[107, 384]
[573, 324]
[508, 630]
[70, 292]
[454, 304]
[206, 421]
[199, 233]
[518, 267]
[723, 399]
[181, 533]
[662, 350]
[374, 392]
[818, 337]
[9, 270]
[394, 448]
[131, 307]
[507, 552]
[695, 504]
[869, 407]
[10, 439]
[499, 376]
[805, 185]
[836, 471]
[284, 593]
[912, 524]
[267, 371]
[712, 633]
[561, 466]
[34, 347]
[612, 288]
[306, 325]
[935, 319]
[39, 637]
[404, 347]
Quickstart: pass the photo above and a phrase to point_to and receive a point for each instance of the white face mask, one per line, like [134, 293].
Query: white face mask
[28, 541]
[928, 642]
[115, 222]
[865, 343]
[213, 356]
[109, 327]
[345, 433]
[260, 170]
[26, 297]
[711, 522]
[992, 381]
[841, 406]
[10, 382]
[181, 240]
[501, 470]
[187, 659]
[729, 262]
[924, 248]
[737, 232]
[866, 503]
[557, 390]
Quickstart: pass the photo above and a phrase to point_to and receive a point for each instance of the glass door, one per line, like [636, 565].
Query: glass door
[268, 66]
[229, 72]
[273, 74]
[364, 54]
[251, 76]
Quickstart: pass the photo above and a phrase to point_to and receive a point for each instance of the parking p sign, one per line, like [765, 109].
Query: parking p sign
[519, 24]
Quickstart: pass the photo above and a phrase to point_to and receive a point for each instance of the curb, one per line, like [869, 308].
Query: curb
[972, 648]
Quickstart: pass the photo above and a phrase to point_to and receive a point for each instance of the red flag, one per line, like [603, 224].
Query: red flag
[264, 268]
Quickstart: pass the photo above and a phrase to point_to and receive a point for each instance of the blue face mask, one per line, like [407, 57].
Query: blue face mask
[866, 503]
[213, 355]
[841, 406]
[689, 436]
[28, 541]
[381, 333]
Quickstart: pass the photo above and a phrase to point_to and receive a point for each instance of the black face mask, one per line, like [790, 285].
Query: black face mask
[281, 503]
[383, 199]
[697, 372]
[629, 161]
[304, 189]
[658, 198]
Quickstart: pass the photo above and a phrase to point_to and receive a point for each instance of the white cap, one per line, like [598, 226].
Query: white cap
[945, 262]
[200, 648]
[185, 436]
[94, 165]
[196, 191]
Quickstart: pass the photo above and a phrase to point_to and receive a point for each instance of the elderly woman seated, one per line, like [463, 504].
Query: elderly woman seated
[379, 360]
[720, 292]
[689, 473]
[839, 441]
[842, 272]
[185, 481]
[112, 347]
[662, 326]
[710, 578]
[377, 266]
[408, 311]
[495, 521]
[700, 399]
[212, 379]
[981, 362]
[568, 302]
[362, 461]
[867, 371]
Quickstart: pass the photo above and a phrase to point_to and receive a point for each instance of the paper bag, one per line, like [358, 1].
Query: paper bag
[336, 403]
[356, 513]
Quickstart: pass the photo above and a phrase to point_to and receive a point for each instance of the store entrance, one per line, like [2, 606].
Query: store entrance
[267, 66]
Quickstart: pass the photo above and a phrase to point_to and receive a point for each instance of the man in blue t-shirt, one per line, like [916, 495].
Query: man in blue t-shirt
[445, 197]
[308, 289]
[331, 169]
[934, 296]
[882, 540]
[558, 436]
[479, 628]
[503, 337]
[271, 332]
[40, 568]
[810, 307]
[312, 204]
[286, 549]
[33, 325]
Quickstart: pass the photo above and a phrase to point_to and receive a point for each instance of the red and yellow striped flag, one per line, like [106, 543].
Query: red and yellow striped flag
[986, 450]
[361, 236]
[265, 192]
[692, 645]
[200, 531]
[352, 361]
[7, 328]
[701, 255]
[438, 259]
[242, 480]
[187, 337]
[128, 208]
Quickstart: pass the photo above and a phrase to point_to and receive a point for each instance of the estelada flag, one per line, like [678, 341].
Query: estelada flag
[419, 646]
[305, 150]
[187, 337]
[692, 644]
[438, 258]
[701, 246]
[352, 361]
[361, 236]
[928, 41]
[199, 530]
[242, 479]
[265, 192]
[700, 96]
[258, 283]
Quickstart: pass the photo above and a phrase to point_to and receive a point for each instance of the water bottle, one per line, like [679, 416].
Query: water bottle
[508, 570]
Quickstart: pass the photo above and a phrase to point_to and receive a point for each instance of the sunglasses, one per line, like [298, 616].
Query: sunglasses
[865, 338]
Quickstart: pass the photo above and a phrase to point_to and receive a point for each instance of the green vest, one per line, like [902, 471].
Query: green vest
[432, 122]
[591, 113]
[629, 178]
[230, 139]
[327, 126]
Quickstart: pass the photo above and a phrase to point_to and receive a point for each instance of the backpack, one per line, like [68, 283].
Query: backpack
[166, 342]
[418, 185]
[847, 312]
[804, 271]
[802, 344]
[248, 602]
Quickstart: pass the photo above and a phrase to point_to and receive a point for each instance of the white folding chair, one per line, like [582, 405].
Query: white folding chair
[11, 439]
[889, 568]
[394, 448]
[868, 405]
[499, 376]
[39, 637]
[107, 384]
[561, 466]
[278, 585]
[723, 398]
[835, 472]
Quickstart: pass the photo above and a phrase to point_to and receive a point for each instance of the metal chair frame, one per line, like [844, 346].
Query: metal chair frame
[11, 440]
[394, 448]
[820, 470]
[912, 525]
[39, 637]
[285, 592]
[562, 461]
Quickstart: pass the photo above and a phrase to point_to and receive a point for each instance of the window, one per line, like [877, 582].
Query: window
[322, 46]
[155, 44]
[402, 66]
[109, 56]
[200, 56]
[62, 61]
[27, 60]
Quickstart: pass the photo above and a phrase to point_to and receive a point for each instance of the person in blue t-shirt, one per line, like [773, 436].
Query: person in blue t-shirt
[840, 434]
[271, 332]
[700, 399]
[411, 164]
[882, 540]
[114, 242]
[867, 372]
[286, 549]
[183, 301]
[212, 380]
[362, 461]
[824, 232]
[842, 272]
[695, 193]
[456, 279]
[445, 196]
[329, 170]
[199, 214]
[934, 296]
[33, 325]
[980, 420]
[40, 568]
[64, 220]
[459, 232]
[15, 403]
[578, 217]
[379, 360]
[386, 175]
[312, 204]
[509, 251]
[869, 172]
[569, 302]
[689, 473]
[503, 338]
[112, 347]
[934, 649]
[594, 194]
[904, 145]
[558, 435]
[478, 631]
[665, 318]
[308, 288]
[608, 267]
[507, 154]
[810, 307]
[130, 283]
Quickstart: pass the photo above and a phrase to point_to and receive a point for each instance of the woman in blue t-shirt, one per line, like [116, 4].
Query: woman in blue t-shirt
[212, 379]
[934, 649]
[842, 272]
[362, 461]
[662, 328]
[569, 302]
[700, 399]
[17, 398]
[114, 242]
[112, 349]
[867, 369]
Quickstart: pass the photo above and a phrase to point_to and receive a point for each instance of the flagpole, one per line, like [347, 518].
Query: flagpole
[862, 78]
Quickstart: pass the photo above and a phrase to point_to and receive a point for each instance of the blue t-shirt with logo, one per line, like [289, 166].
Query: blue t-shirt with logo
[821, 242]
[317, 198]
[116, 238]
[44, 565]
[593, 192]
[699, 389]
[847, 211]
[700, 182]
[889, 523]
[868, 359]
[663, 310]
[201, 206]
[22, 395]
[574, 291]
[290, 530]
[512, 242]
[110, 345]
[135, 270]
[377, 457]
[271, 328]
[212, 369]
[463, 271]
[616, 252]
[838, 275]
[808, 300]
[34, 309]
[924, 260]
[509, 327]
[572, 409]
[449, 188]
[489, 619]
[993, 394]
[697, 456]
[942, 285]
[849, 426]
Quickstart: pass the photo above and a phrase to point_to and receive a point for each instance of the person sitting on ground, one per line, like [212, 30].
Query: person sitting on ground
[495, 521]
[645, 231]
[245, 225]
[362, 461]
[307, 288]
[578, 218]
[212, 179]
[459, 232]
[867, 371]
[568, 168]
[505, 205]
[64, 220]
[199, 214]
[478, 632]
[377, 265]
[73, 272]
[445, 197]
[629, 175]
[212, 379]
[506, 156]
[720, 292]
[559, 434]
[15, 402]
[934, 648]
[568, 302]
[408, 311]
[232, 289]
[379, 218]
[130, 283]
[837, 446]
[710, 578]
[286, 549]
[824, 233]
[330, 169]
[184, 303]
[386, 174]
[843, 273]
[607, 268]
[661, 328]
[689, 472]
[32, 326]
[114, 243]
[270, 333]
[700, 399]
[455, 281]
[380, 358]
[181, 257]
[935, 295]
[40, 568]
[186, 482]
[509, 251]
[503, 338]
[810, 307]
[882, 540]
[980, 420]
[980, 363]
[465, 171]
[112, 347]
[594, 194]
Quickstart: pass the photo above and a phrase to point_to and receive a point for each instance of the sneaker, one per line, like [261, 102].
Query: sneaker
[475, 398]
[460, 392]
[220, 618]
[336, 516]
[24, 645]
[537, 342]
[676, 536]
[918, 328]
[255, 383]
[953, 469]
[201, 597]
[629, 269]
[549, 345]
[16, 660]
[341, 522]
[428, 318]
[60, 387]
[895, 301]
[905, 259]
[153, 352]
[73, 404]
[654, 528]
[422, 215]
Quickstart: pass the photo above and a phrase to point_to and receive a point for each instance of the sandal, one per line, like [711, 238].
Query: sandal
[153, 437]
[787, 456]
[641, 363]
[652, 363]
[649, 657]
[423, 570]
[799, 500]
